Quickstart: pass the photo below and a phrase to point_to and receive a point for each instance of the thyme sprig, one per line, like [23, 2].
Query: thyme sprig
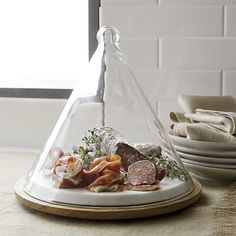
[172, 168]
[93, 143]
[92, 148]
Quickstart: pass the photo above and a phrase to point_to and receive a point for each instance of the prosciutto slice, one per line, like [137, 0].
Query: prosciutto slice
[67, 172]
[109, 178]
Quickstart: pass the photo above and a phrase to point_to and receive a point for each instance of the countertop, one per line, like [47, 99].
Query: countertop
[211, 215]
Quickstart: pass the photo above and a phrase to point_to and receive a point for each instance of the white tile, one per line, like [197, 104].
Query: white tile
[230, 23]
[198, 53]
[20, 124]
[164, 109]
[196, 2]
[229, 83]
[158, 21]
[160, 84]
[141, 53]
[127, 2]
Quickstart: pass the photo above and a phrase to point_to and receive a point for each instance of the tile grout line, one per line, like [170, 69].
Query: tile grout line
[221, 82]
[224, 20]
[159, 53]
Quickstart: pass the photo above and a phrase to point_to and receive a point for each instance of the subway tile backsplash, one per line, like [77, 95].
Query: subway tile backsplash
[230, 20]
[177, 46]
[159, 21]
[196, 2]
[148, 48]
[194, 53]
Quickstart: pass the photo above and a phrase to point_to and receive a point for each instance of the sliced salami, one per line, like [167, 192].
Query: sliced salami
[142, 172]
[160, 173]
[143, 187]
[128, 155]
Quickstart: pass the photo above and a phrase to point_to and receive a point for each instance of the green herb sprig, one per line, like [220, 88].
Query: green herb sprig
[92, 148]
[93, 143]
[173, 170]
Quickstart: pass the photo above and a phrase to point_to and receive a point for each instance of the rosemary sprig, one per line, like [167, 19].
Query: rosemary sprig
[173, 170]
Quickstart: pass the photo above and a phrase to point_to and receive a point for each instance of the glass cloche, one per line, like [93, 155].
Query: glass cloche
[108, 147]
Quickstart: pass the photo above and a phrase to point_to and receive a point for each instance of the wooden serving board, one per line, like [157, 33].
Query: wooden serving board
[108, 213]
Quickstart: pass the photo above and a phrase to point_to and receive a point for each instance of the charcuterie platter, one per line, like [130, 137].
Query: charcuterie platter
[108, 213]
[108, 175]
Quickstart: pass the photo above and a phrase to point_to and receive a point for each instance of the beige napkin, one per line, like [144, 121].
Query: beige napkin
[225, 121]
[202, 132]
[190, 103]
[179, 117]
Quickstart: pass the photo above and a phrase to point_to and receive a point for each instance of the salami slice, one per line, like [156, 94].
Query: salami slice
[129, 155]
[143, 187]
[160, 173]
[142, 172]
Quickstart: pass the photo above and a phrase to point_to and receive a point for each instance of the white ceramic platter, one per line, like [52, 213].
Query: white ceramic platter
[209, 153]
[169, 188]
[205, 159]
[211, 173]
[184, 142]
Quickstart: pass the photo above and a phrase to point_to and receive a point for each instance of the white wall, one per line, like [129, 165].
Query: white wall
[177, 46]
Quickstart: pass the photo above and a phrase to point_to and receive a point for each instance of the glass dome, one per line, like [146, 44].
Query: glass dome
[108, 147]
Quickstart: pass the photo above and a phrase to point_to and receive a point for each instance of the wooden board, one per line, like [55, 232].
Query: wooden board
[108, 213]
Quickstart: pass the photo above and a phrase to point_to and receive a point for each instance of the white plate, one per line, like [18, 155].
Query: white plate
[204, 159]
[208, 153]
[214, 165]
[184, 142]
[210, 172]
[169, 189]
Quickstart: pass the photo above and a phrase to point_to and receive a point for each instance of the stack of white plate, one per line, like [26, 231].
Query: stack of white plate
[207, 159]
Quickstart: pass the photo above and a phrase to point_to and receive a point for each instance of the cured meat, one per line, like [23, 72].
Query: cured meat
[143, 187]
[109, 139]
[114, 143]
[142, 172]
[129, 155]
[67, 172]
[148, 149]
[109, 174]
[160, 173]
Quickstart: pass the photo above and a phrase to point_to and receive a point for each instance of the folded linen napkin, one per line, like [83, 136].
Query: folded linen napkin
[225, 121]
[190, 103]
[179, 117]
[202, 132]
